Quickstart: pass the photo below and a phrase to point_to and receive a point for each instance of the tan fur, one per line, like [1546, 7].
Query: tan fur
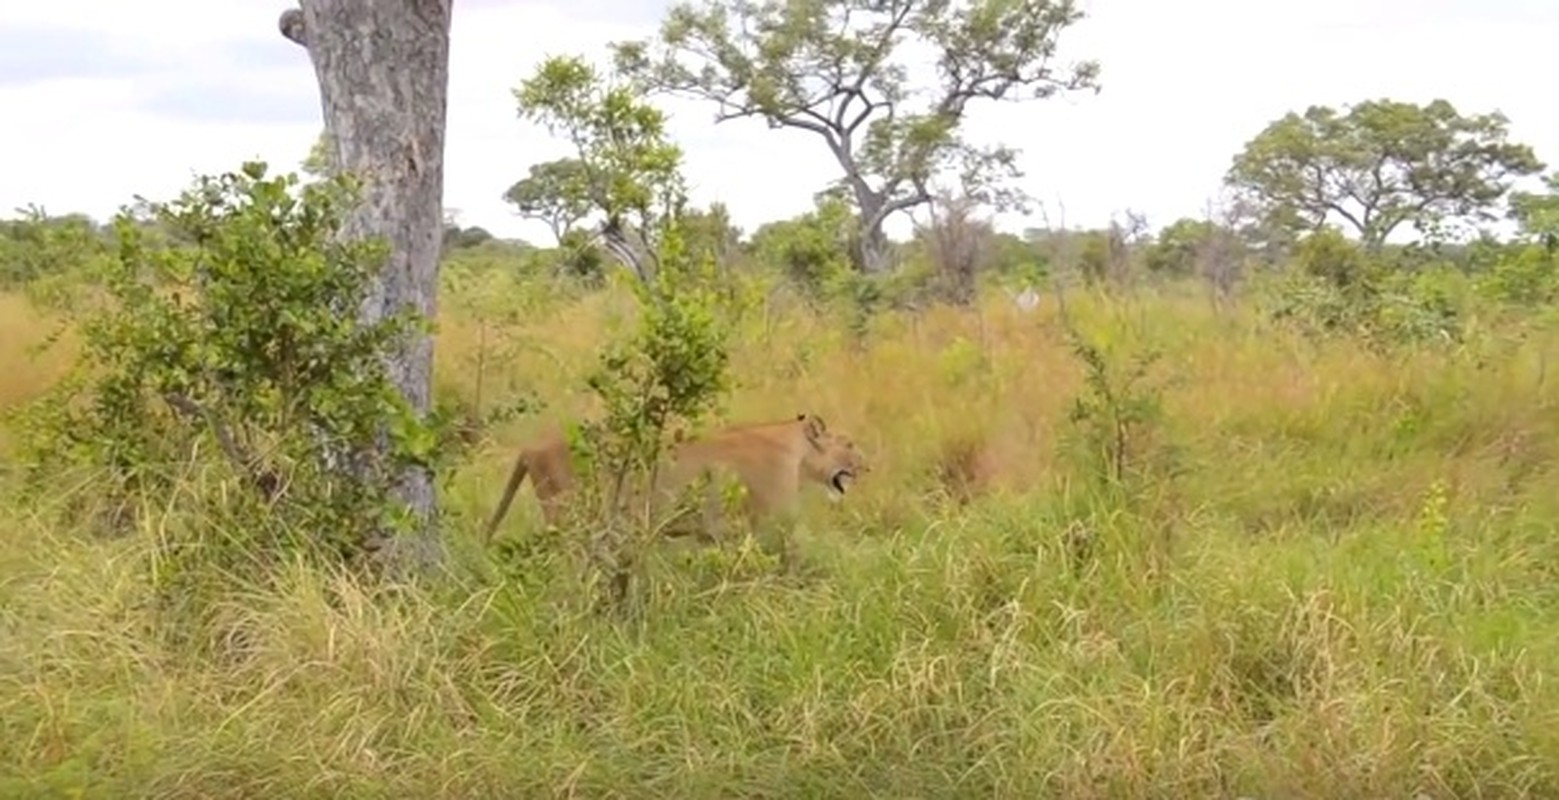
[771, 461]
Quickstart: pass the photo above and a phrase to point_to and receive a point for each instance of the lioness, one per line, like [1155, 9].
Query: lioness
[768, 459]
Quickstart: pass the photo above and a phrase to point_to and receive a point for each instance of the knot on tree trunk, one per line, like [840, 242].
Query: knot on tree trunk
[291, 26]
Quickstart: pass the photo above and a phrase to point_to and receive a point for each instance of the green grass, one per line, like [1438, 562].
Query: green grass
[1334, 577]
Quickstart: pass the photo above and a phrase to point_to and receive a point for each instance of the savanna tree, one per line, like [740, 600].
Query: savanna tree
[840, 69]
[1379, 165]
[1207, 247]
[383, 73]
[1177, 248]
[627, 169]
[1538, 213]
[555, 193]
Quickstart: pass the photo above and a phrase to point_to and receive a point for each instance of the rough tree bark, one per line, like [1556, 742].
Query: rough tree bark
[383, 71]
[873, 252]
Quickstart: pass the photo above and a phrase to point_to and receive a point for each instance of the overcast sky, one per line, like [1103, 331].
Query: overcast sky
[107, 99]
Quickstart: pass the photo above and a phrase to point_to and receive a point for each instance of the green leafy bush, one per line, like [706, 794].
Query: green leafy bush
[233, 349]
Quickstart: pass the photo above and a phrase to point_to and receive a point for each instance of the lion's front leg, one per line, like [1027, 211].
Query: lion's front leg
[775, 534]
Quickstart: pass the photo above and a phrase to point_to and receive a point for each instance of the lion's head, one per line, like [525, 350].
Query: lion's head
[831, 459]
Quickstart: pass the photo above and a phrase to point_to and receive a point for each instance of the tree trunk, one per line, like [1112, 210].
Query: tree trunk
[875, 255]
[873, 252]
[383, 71]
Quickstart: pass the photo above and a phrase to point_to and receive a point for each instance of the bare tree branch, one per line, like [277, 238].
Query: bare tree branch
[266, 481]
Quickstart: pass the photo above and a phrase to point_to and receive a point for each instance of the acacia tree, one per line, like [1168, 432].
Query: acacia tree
[1381, 164]
[383, 72]
[556, 193]
[837, 69]
[627, 170]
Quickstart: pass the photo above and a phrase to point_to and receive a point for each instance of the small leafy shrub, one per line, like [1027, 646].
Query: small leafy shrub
[1419, 307]
[1529, 276]
[812, 251]
[655, 385]
[658, 382]
[1117, 414]
[1331, 258]
[1334, 288]
[228, 383]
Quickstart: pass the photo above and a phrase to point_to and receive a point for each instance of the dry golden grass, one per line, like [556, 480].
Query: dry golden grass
[27, 372]
[1335, 579]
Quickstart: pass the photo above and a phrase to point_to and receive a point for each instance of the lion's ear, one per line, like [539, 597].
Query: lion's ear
[813, 426]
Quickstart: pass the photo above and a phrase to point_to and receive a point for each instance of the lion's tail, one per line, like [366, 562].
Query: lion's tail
[515, 479]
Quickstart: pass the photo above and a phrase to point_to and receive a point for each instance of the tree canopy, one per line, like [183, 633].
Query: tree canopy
[624, 167]
[556, 193]
[1379, 165]
[841, 69]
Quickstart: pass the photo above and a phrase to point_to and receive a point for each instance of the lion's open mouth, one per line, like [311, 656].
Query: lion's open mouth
[839, 484]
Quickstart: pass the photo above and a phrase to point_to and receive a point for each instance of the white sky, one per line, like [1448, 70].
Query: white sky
[108, 99]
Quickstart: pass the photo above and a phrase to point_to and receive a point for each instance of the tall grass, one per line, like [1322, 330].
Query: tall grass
[1331, 575]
